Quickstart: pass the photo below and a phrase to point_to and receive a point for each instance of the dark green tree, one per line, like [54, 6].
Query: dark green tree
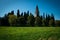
[52, 20]
[31, 20]
[37, 21]
[43, 19]
[22, 14]
[57, 23]
[18, 13]
[12, 12]
[0, 21]
[46, 21]
[27, 13]
[21, 21]
[25, 17]
[12, 20]
[4, 20]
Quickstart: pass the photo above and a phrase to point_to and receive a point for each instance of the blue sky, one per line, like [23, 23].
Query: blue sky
[47, 6]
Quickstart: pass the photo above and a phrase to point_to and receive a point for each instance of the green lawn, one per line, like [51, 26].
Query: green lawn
[29, 33]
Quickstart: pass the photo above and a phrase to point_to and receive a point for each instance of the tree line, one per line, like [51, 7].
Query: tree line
[28, 19]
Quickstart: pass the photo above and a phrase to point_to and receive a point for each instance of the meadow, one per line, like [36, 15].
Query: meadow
[29, 33]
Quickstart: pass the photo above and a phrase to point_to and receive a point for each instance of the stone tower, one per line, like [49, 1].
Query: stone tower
[37, 11]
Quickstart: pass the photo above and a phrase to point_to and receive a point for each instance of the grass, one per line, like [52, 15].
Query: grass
[28, 33]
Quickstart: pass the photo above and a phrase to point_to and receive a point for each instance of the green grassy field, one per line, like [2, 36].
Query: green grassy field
[29, 33]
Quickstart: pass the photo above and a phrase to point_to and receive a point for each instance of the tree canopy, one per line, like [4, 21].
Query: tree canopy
[28, 19]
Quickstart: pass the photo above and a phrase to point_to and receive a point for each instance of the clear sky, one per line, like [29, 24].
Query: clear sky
[47, 6]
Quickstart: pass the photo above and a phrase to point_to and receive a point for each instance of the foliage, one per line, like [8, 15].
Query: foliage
[31, 20]
[28, 19]
[12, 19]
